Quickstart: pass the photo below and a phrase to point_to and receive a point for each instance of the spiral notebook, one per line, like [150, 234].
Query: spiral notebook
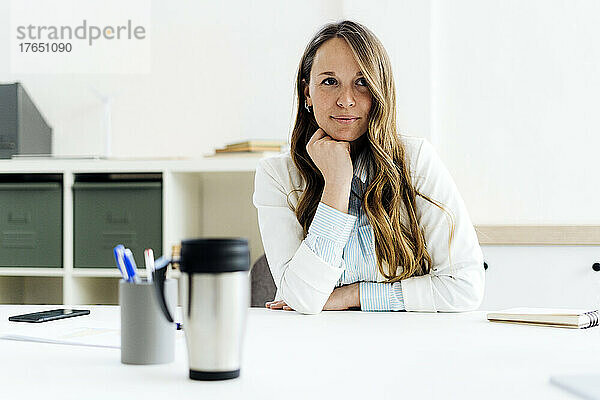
[557, 317]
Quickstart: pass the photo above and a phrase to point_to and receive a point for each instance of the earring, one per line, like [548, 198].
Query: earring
[308, 108]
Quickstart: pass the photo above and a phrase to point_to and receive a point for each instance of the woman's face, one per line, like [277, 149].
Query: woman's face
[338, 92]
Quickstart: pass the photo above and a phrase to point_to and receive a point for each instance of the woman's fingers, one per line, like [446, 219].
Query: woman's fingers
[278, 305]
[275, 304]
[319, 134]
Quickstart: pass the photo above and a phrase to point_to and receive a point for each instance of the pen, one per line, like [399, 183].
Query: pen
[119, 258]
[161, 262]
[131, 267]
[149, 262]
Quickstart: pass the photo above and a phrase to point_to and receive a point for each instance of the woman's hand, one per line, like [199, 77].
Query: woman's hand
[342, 298]
[332, 157]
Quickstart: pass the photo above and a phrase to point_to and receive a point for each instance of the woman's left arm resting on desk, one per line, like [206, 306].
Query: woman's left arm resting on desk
[450, 286]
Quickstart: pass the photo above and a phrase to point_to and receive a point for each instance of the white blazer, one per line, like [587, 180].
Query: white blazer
[305, 281]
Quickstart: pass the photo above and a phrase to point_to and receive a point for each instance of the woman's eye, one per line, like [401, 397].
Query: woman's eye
[329, 80]
[362, 82]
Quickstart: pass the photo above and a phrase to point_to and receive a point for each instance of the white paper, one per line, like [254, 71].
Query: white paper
[76, 336]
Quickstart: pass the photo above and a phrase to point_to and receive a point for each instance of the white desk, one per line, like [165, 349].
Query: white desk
[333, 355]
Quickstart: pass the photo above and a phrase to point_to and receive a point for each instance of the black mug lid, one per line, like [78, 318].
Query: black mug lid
[214, 255]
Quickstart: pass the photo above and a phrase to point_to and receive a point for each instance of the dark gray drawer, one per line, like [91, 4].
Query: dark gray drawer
[109, 213]
[31, 224]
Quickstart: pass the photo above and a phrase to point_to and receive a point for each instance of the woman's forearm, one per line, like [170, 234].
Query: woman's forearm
[354, 300]
[343, 298]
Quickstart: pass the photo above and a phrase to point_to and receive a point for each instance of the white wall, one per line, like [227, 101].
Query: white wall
[517, 88]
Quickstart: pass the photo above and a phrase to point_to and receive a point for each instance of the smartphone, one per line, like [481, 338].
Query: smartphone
[50, 315]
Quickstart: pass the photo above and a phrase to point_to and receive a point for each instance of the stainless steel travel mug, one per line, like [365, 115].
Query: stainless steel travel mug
[215, 294]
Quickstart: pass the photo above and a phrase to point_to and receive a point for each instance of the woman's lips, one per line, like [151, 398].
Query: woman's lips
[345, 121]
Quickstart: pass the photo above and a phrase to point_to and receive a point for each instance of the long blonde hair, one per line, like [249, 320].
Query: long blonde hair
[391, 188]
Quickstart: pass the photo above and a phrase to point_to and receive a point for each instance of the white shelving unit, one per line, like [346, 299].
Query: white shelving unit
[206, 197]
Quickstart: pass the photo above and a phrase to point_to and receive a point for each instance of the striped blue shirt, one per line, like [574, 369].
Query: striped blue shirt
[335, 236]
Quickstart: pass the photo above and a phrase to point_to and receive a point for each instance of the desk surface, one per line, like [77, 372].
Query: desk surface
[332, 355]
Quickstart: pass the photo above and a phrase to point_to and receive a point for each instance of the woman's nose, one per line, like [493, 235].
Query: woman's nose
[346, 98]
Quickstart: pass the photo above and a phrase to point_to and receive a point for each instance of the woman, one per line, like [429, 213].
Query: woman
[356, 215]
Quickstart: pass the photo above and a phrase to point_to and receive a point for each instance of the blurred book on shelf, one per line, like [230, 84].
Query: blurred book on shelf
[251, 147]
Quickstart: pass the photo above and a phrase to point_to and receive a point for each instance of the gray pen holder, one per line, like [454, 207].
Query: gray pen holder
[146, 336]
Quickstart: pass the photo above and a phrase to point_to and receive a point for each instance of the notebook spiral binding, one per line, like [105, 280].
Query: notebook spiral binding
[593, 319]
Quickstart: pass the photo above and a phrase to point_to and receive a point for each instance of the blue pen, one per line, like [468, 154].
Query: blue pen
[131, 267]
[119, 252]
